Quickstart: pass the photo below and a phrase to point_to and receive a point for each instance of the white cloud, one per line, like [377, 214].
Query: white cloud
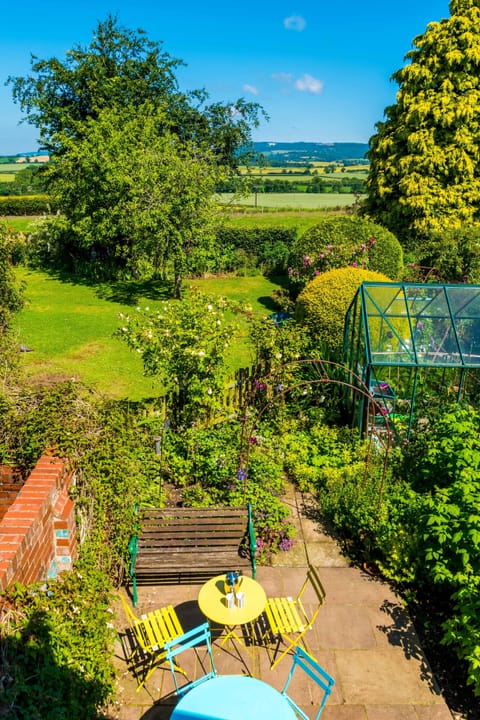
[250, 89]
[309, 84]
[295, 22]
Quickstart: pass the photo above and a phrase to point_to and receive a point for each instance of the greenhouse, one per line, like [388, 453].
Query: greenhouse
[409, 347]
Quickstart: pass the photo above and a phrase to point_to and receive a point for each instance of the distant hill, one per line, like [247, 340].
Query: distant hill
[311, 151]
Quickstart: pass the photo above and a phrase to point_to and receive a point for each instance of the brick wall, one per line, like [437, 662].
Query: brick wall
[38, 533]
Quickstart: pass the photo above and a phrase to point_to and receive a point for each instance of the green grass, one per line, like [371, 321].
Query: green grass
[69, 328]
[24, 224]
[294, 201]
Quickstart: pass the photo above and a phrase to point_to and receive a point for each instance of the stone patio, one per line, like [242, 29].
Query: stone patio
[363, 637]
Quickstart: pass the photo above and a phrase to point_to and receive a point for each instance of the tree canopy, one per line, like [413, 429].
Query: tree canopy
[425, 156]
[135, 160]
[123, 68]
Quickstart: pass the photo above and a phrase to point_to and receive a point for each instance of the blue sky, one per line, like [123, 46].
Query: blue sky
[320, 68]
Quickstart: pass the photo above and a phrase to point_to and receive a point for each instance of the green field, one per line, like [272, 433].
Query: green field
[69, 329]
[294, 201]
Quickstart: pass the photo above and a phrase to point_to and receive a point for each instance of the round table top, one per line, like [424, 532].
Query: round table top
[213, 602]
[233, 697]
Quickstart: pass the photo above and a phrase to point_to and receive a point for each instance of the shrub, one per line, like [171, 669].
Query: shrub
[453, 256]
[341, 241]
[266, 248]
[323, 303]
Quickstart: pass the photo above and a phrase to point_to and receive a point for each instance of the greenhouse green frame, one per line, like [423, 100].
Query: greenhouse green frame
[410, 344]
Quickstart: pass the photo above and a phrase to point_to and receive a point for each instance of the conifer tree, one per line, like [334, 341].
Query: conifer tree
[425, 155]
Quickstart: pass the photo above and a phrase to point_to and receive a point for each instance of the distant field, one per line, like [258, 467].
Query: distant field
[294, 201]
[15, 167]
[7, 176]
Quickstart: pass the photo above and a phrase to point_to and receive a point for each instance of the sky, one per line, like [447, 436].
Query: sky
[321, 69]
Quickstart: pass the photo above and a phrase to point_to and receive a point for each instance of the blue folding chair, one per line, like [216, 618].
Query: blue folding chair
[304, 661]
[199, 635]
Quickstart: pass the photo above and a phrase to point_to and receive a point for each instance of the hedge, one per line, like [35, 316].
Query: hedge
[323, 304]
[341, 241]
[26, 205]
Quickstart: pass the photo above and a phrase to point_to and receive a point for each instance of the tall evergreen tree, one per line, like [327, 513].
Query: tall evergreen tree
[425, 156]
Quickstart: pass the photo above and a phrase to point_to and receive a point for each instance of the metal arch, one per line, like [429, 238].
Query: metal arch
[361, 388]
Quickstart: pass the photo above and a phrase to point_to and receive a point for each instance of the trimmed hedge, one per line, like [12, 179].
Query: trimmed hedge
[323, 304]
[26, 205]
[342, 241]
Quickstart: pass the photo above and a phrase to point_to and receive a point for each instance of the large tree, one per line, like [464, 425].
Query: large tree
[135, 161]
[123, 68]
[425, 156]
[138, 202]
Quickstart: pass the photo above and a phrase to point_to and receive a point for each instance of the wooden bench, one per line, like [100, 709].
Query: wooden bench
[177, 544]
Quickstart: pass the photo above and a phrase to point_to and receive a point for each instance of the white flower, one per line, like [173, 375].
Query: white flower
[201, 353]
[278, 356]
[209, 307]
[209, 391]
[139, 351]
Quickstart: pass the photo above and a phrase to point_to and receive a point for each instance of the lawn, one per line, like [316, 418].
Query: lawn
[69, 328]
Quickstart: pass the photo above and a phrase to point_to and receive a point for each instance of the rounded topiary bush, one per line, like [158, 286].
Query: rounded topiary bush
[323, 303]
[342, 241]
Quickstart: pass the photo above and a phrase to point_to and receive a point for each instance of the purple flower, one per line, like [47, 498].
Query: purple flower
[285, 544]
[355, 264]
[316, 272]
[279, 387]
[253, 440]
[242, 473]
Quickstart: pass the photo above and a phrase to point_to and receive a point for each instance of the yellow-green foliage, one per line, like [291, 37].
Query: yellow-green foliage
[323, 303]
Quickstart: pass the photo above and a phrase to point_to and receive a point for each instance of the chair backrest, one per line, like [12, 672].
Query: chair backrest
[308, 664]
[199, 635]
[313, 579]
[137, 626]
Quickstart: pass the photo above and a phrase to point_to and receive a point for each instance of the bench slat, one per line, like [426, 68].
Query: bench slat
[176, 543]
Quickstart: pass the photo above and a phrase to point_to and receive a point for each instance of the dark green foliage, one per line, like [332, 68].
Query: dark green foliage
[266, 248]
[340, 241]
[119, 69]
[57, 640]
[452, 256]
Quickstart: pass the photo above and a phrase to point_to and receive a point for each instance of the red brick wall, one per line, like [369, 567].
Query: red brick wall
[38, 533]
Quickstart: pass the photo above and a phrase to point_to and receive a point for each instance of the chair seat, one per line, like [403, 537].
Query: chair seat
[287, 618]
[149, 635]
[286, 615]
[159, 626]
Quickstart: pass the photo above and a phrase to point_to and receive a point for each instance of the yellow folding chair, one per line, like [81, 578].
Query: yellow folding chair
[149, 633]
[287, 618]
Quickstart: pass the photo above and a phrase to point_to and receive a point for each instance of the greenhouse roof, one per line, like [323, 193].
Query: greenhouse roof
[421, 324]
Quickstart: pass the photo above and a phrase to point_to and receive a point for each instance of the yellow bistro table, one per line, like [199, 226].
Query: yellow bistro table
[212, 601]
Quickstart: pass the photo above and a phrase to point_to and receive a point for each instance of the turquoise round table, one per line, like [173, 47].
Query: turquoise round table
[233, 697]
